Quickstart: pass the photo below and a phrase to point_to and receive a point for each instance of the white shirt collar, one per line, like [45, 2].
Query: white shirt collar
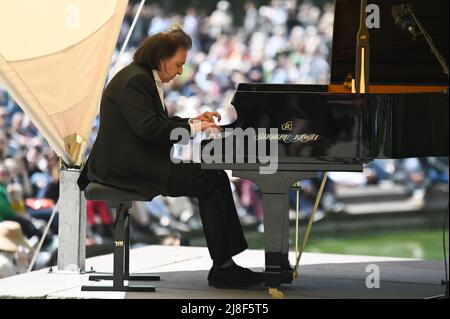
[157, 78]
[159, 86]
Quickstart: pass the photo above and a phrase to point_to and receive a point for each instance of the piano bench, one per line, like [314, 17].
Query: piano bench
[121, 200]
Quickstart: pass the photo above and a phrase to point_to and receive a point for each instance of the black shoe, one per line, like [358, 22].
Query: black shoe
[234, 277]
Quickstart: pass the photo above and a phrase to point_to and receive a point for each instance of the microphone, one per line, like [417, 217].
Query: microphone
[403, 19]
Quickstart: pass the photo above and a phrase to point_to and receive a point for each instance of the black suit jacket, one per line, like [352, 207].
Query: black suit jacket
[132, 149]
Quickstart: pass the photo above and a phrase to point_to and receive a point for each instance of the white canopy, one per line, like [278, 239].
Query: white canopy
[54, 59]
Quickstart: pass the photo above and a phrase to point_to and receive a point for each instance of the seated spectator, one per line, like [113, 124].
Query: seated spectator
[4, 147]
[12, 108]
[308, 194]
[99, 220]
[19, 173]
[6, 212]
[419, 175]
[250, 198]
[23, 131]
[15, 196]
[378, 171]
[51, 188]
[437, 170]
[3, 118]
[15, 251]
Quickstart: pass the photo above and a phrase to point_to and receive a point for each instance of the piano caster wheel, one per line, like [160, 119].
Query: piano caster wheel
[295, 274]
[275, 293]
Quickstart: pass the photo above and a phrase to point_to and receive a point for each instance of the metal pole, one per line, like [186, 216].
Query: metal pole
[72, 223]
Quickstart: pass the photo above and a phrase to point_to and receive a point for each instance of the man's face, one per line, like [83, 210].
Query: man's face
[170, 67]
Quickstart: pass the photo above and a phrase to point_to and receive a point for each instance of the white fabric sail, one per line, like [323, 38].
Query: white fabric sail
[54, 59]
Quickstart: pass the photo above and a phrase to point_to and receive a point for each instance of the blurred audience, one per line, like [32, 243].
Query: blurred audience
[285, 41]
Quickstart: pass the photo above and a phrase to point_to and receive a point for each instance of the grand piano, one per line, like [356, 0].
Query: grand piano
[403, 113]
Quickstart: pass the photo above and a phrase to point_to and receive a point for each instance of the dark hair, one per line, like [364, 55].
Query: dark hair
[161, 46]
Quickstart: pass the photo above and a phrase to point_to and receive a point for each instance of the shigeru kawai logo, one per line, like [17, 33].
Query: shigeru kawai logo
[287, 126]
[286, 137]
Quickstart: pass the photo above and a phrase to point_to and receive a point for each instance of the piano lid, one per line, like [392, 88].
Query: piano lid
[395, 59]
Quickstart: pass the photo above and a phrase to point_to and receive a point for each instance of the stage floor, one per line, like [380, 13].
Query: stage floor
[183, 272]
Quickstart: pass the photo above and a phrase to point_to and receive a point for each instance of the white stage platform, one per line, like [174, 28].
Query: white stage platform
[183, 272]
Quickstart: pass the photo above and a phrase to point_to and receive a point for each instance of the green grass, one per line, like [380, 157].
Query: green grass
[422, 244]
[409, 243]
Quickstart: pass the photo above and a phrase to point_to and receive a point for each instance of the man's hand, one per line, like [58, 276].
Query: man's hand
[209, 117]
[210, 126]
[212, 132]
[205, 122]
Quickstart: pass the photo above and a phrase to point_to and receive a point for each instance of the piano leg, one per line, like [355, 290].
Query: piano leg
[276, 239]
[275, 194]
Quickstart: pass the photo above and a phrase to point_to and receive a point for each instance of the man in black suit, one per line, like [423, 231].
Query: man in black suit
[132, 151]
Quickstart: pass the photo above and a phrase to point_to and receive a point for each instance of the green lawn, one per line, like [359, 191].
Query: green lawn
[415, 243]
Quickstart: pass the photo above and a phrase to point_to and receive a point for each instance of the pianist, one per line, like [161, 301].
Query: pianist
[132, 151]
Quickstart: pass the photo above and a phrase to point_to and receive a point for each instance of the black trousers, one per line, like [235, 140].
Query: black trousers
[221, 225]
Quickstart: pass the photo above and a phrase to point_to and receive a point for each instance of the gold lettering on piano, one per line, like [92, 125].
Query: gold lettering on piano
[287, 126]
[118, 243]
[289, 138]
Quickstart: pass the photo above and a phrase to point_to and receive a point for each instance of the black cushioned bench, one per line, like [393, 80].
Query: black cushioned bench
[121, 200]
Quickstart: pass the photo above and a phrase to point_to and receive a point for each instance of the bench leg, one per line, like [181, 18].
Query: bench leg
[135, 277]
[121, 270]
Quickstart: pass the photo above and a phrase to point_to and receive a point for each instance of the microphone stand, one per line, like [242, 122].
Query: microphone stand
[408, 8]
[439, 57]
